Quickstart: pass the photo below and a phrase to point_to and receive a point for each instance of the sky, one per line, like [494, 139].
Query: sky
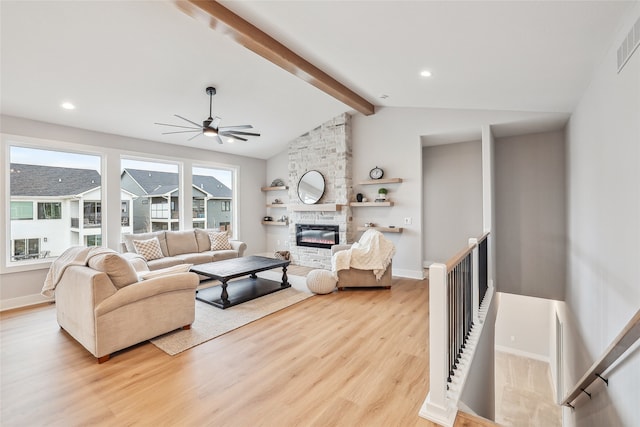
[34, 156]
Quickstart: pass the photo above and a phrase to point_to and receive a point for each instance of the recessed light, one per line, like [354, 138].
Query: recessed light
[425, 73]
[68, 106]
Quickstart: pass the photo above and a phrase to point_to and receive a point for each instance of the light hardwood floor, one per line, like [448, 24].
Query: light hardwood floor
[524, 397]
[350, 358]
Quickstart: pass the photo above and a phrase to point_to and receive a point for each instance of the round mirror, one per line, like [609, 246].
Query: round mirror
[311, 187]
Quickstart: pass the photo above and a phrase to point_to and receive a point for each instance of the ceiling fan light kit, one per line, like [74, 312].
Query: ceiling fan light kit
[211, 126]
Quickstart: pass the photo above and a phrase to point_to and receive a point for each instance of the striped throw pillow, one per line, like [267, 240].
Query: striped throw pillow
[219, 241]
[149, 249]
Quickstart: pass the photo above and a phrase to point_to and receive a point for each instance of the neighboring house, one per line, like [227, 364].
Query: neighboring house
[156, 207]
[53, 208]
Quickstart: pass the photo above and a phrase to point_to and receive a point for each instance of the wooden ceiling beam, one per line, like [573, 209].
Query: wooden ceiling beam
[225, 21]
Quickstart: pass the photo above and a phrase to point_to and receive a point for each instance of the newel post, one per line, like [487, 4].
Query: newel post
[436, 408]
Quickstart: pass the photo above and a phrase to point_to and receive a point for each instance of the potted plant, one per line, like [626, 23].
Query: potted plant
[382, 194]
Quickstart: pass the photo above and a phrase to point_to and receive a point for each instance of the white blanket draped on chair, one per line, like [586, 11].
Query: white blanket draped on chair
[75, 255]
[372, 252]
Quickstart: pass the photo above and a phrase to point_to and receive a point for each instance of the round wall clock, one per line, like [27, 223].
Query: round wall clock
[376, 173]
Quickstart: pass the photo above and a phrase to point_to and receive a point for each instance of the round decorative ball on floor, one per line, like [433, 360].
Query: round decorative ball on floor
[321, 281]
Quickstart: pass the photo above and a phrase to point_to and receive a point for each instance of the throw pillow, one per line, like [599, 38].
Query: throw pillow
[219, 240]
[119, 270]
[180, 268]
[149, 249]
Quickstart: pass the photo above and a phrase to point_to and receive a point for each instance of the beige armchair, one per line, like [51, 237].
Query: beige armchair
[356, 278]
[110, 310]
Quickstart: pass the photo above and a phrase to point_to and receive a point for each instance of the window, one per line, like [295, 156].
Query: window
[198, 208]
[92, 214]
[160, 209]
[95, 240]
[48, 210]
[59, 186]
[124, 213]
[21, 210]
[152, 189]
[213, 196]
[25, 249]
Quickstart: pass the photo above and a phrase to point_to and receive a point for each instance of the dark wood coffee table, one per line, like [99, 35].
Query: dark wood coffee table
[244, 289]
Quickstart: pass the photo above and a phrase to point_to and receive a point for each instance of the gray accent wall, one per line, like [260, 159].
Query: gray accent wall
[452, 198]
[530, 215]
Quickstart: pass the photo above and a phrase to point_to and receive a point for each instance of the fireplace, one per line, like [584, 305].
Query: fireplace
[317, 236]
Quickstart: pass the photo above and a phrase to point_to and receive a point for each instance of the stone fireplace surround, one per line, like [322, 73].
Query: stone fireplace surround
[326, 149]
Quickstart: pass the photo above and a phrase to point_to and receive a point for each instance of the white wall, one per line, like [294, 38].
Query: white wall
[277, 238]
[523, 325]
[604, 234]
[21, 285]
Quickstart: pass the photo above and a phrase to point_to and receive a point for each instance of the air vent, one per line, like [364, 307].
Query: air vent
[629, 45]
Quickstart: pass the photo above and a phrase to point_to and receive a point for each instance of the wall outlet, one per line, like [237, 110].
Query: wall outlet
[407, 221]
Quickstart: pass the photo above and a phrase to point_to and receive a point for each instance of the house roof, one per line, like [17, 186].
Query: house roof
[36, 180]
[156, 183]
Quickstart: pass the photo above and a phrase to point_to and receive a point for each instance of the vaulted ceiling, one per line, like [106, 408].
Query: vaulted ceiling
[128, 64]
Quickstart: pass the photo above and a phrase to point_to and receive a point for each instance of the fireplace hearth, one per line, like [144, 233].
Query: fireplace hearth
[317, 235]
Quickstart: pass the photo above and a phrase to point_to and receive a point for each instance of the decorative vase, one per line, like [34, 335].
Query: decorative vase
[359, 197]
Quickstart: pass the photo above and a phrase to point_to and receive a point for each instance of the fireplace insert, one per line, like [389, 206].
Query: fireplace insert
[317, 235]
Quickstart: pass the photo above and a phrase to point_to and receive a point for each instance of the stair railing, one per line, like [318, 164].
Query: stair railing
[456, 293]
[625, 339]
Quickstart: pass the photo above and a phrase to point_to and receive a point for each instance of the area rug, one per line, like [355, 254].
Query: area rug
[211, 322]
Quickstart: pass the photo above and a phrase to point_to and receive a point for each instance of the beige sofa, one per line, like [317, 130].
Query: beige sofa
[106, 308]
[182, 247]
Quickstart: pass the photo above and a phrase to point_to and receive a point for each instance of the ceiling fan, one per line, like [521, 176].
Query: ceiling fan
[211, 126]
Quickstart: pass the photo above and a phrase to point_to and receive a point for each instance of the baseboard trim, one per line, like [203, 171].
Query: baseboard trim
[409, 274]
[24, 301]
[522, 353]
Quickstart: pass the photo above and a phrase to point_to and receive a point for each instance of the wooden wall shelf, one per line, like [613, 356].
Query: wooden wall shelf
[383, 229]
[283, 187]
[371, 204]
[323, 207]
[277, 205]
[280, 223]
[381, 181]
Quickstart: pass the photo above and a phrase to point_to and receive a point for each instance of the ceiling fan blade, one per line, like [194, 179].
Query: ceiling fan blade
[230, 135]
[194, 136]
[215, 123]
[176, 126]
[181, 131]
[218, 140]
[187, 120]
[235, 127]
[237, 132]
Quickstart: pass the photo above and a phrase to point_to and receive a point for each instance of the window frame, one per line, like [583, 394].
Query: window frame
[234, 171]
[39, 204]
[17, 202]
[8, 141]
[110, 160]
